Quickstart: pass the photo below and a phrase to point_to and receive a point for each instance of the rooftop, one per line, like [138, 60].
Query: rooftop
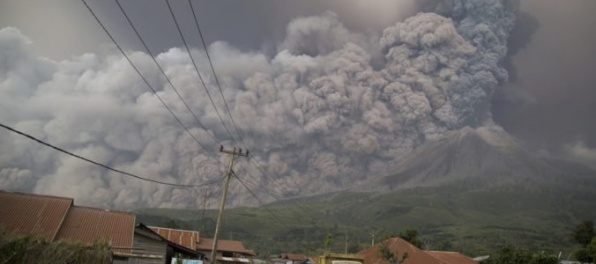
[185, 238]
[224, 245]
[87, 225]
[22, 213]
[57, 218]
[415, 255]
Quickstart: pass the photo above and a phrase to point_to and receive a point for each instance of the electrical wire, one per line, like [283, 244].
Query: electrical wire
[197, 70]
[162, 101]
[160, 68]
[214, 74]
[259, 200]
[222, 95]
[100, 164]
[145, 79]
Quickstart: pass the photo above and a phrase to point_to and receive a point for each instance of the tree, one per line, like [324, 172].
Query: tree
[328, 241]
[385, 253]
[411, 235]
[591, 250]
[512, 255]
[583, 256]
[542, 258]
[584, 232]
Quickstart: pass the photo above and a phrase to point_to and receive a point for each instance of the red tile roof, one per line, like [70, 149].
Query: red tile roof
[22, 213]
[185, 238]
[224, 245]
[415, 255]
[87, 225]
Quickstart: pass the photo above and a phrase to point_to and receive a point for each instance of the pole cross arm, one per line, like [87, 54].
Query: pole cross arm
[235, 151]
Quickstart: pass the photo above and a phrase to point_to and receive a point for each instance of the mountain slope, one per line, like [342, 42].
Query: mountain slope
[473, 191]
[482, 157]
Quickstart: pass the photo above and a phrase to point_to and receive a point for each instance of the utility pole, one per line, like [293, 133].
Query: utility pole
[235, 152]
[346, 244]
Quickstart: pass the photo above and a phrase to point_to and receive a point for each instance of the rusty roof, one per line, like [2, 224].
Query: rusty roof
[22, 213]
[452, 257]
[87, 225]
[415, 255]
[224, 245]
[185, 238]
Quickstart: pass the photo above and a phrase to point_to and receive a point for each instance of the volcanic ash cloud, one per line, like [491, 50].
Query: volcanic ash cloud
[330, 109]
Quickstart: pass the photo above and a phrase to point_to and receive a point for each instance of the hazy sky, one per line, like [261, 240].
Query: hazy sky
[293, 83]
[556, 73]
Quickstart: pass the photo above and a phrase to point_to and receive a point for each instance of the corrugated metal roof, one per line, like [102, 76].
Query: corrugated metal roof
[224, 245]
[87, 225]
[415, 255]
[22, 213]
[185, 238]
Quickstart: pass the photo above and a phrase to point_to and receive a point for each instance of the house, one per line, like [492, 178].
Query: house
[58, 219]
[180, 243]
[147, 241]
[41, 215]
[413, 254]
[289, 258]
[228, 251]
[86, 225]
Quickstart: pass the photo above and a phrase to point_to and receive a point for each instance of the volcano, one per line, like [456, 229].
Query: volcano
[481, 158]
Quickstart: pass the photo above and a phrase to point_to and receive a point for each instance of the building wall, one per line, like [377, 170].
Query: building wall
[145, 245]
[134, 260]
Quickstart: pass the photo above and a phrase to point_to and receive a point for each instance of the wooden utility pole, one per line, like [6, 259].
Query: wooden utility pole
[235, 153]
[346, 244]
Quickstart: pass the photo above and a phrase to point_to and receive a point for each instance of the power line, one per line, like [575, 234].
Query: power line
[214, 74]
[197, 70]
[297, 201]
[100, 164]
[161, 69]
[145, 79]
[216, 78]
[260, 202]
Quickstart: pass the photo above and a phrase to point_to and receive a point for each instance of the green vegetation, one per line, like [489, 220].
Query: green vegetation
[411, 235]
[30, 249]
[386, 253]
[584, 234]
[511, 255]
[457, 217]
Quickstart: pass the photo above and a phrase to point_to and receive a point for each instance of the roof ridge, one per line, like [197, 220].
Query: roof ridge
[53, 238]
[102, 209]
[38, 195]
[175, 229]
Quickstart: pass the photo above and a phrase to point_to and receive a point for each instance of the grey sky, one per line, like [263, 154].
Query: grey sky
[556, 72]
